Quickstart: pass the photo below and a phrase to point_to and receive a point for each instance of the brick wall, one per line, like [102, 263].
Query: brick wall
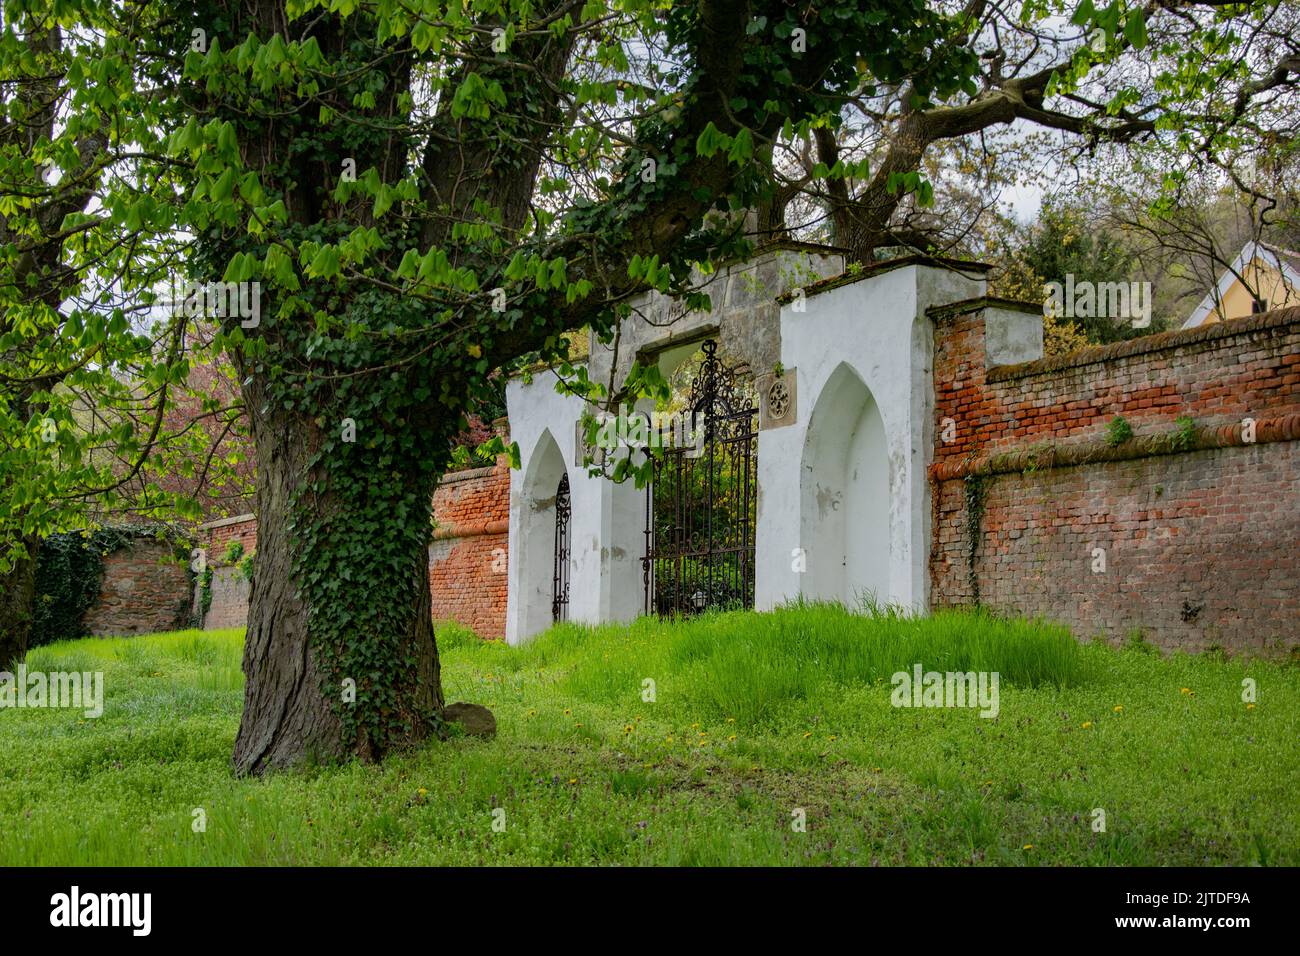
[145, 588]
[467, 559]
[1198, 523]
[220, 533]
[230, 593]
[1217, 373]
[230, 590]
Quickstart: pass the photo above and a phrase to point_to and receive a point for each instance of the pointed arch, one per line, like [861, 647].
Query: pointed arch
[536, 540]
[844, 494]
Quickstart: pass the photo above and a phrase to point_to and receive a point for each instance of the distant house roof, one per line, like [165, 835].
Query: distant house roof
[1283, 260]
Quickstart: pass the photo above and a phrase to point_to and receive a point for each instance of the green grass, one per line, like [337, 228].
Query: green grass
[755, 716]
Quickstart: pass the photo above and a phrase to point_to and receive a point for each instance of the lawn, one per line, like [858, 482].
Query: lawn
[757, 720]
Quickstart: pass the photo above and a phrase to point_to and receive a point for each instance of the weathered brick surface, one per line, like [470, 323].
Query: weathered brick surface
[468, 582]
[145, 588]
[1226, 372]
[230, 590]
[1202, 548]
[230, 593]
[467, 560]
[219, 538]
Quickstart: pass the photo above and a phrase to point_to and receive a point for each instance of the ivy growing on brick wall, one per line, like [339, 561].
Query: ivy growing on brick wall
[70, 571]
[976, 491]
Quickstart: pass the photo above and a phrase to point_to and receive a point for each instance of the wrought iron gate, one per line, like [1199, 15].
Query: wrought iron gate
[702, 501]
[560, 576]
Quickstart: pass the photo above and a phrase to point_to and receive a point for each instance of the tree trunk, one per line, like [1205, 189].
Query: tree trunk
[17, 599]
[288, 717]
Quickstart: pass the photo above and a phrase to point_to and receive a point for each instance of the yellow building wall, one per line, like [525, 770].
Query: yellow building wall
[1270, 284]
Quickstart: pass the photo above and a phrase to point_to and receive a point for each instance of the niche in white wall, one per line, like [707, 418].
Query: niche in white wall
[844, 494]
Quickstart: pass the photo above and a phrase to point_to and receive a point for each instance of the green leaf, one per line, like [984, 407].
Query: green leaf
[1135, 29]
[325, 264]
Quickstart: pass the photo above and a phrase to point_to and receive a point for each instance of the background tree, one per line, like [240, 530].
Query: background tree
[1068, 240]
[1059, 81]
[85, 376]
[1187, 236]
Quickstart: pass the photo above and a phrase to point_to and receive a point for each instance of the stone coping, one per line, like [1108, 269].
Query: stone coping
[966, 306]
[469, 474]
[225, 522]
[1048, 455]
[472, 529]
[887, 265]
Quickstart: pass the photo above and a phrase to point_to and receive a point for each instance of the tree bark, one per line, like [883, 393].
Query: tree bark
[17, 598]
[288, 718]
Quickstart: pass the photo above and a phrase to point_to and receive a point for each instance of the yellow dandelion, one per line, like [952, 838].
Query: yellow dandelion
[1119, 708]
[1087, 724]
[1027, 846]
[573, 780]
[1184, 690]
[1250, 706]
[835, 737]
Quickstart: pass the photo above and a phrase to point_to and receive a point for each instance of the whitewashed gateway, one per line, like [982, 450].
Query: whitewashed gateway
[817, 397]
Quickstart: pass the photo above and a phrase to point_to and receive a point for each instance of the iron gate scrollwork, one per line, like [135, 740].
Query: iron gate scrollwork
[702, 500]
[560, 576]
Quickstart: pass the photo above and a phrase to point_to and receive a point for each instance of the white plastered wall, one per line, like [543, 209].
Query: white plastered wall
[846, 482]
[845, 485]
[605, 529]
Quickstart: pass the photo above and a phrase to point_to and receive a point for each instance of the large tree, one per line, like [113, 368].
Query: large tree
[424, 192]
